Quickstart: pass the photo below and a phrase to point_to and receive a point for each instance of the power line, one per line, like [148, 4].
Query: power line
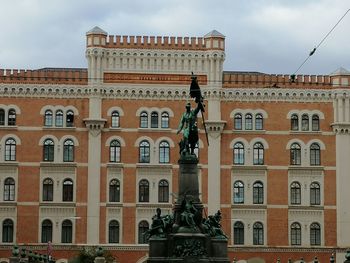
[315, 48]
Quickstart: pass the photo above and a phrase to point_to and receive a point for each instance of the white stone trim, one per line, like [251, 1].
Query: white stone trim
[115, 108]
[319, 142]
[65, 137]
[295, 140]
[239, 139]
[7, 136]
[258, 139]
[111, 138]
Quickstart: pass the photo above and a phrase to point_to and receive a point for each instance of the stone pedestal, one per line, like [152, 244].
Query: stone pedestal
[188, 239]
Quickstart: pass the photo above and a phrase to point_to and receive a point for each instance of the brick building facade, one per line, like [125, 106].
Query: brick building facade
[87, 155]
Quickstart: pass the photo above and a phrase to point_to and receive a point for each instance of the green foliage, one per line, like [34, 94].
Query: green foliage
[88, 255]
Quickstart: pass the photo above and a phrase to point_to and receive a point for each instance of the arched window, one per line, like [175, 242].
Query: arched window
[143, 120]
[295, 193]
[143, 227]
[259, 122]
[113, 231]
[59, 118]
[114, 190]
[46, 231]
[295, 234]
[315, 234]
[11, 117]
[143, 191]
[10, 150]
[164, 152]
[258, 193]
[9, 189]
[154, 119]
[315, 154]
[68, 150]
[315, 122]
[7, 231]
[48, 190]
[69, 118]
[48, 118]
[2, 117]
[67, 193]
[114, 151]
[238, 233]
[258, 154]
[294, 122]
[295, 154]
[258, 234]
[144, 154]
[315, 194]
[238, 192]
[238, 121]
[163, 191]
[165, 120]
[49, 149]
[67, 231]
[248, 121]
[305, 122]
[238, 153]
[115, 119]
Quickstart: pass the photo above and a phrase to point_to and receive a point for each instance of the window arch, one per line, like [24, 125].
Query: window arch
[59, 118]
[163, 191]
[143, 227]
[48, 118]
[315, 154]
[258, 193]
[248, 121]
[238, 192]
[143, 191]
[305, 122]
[164, 152]
[11, 121]
[114, 190]
[46, 231]
[9, 189]
[48, 190]
[238, 153]
[165, 120]
[7, 231]
[315, 234]
[48, 150]
[67, 231]
[295, 193]
[10, 150]
[144, 154]
[154, 119]
[315, 123]
[113, 231]
[295, 154]
[67, 193]
[2, 117]
[238, 233]
[258, 154]
[315, 194]
[259, 122]
[295, 234]
[294, 122]
[69, 118]
[258, 234]
[238, 121]
[115, 119]
[143, 119]
[68, 150]
[114, 151]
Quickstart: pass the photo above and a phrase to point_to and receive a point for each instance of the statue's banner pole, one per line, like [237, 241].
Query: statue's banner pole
[195, 92]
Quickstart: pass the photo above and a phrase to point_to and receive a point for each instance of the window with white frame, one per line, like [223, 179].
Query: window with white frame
[11, 121]
[46, 231]
[48, 190]
[142, 228]
[59, 118]
[10, 150]
[238, 233]
[164, 152]
[2, 117]
[258, 193]
[248, 121]
[294, 122]
[238, 153]
[163, 191]
[295, 193]
[305, 122]
[67, 191]
[144, 152]
[238, 192]
[258, 233]
[154, 119]
[259, 122]
[144, 191]
[48, 150]
[238, 121]
[315, 126]
[67, 231]
[165, 120]
[115, 119]
[315, 154]
[69, 118]
[315, 234]
[9, 189]
[258, 154]
[295, 154]
[144, 120]
[7, 231]
[48, 118]
[68, 151]
[315, 194]
[114, 151]
[114, 190]
[295, 234]
[113, 231]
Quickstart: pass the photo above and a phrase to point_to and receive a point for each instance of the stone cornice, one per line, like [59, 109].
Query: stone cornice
[341, 128]
[164, 92]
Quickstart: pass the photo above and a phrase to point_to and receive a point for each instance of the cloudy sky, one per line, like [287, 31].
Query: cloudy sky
[269, 36]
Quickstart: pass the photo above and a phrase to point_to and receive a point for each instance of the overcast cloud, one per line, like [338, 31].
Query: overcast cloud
[261, 35]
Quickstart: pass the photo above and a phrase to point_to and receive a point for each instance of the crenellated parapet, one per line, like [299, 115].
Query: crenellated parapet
[44, 76]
